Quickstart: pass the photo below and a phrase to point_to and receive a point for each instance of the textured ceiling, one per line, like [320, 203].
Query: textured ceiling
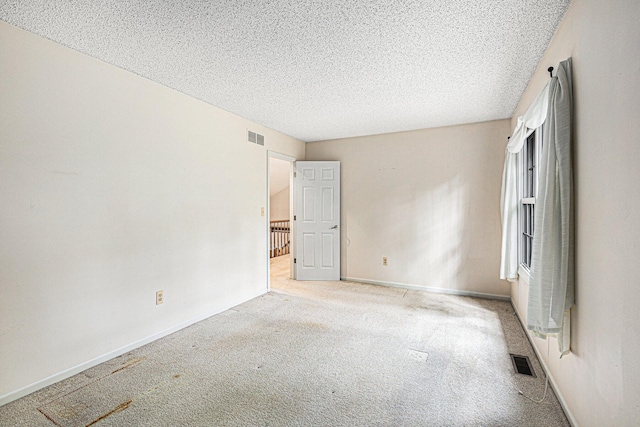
[317, 69]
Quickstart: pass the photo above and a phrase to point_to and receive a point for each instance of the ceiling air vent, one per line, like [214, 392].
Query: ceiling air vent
[255, 138]
[522, 365]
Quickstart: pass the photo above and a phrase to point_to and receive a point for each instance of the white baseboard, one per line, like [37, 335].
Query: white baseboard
[428, 289]
[547, 372]
[67, 373]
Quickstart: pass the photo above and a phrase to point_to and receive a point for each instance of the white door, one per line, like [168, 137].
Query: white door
[317, 220]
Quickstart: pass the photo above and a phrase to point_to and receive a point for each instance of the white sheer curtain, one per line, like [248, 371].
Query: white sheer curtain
[510, 202]
[551, 288]
[509, 212]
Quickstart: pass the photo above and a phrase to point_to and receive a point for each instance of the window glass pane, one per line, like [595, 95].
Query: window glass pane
[529, 187]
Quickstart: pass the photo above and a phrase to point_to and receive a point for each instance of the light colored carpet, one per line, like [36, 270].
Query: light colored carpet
[314, 354]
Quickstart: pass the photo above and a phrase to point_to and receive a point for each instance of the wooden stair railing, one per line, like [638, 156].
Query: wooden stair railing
[280, 238]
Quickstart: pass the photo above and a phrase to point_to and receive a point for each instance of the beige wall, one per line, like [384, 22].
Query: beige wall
[599, 380]
[280, 205]
[113, 187]
[428, 200]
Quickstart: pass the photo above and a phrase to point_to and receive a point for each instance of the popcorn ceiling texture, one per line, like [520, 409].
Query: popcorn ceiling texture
[318, 69]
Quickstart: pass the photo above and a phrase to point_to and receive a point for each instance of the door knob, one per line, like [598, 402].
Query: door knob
[334, 227]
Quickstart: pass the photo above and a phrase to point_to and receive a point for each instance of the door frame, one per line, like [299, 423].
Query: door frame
[292, 162]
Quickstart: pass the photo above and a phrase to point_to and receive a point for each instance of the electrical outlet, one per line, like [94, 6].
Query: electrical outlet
[159, 297]
[261, 211]
[385, 261]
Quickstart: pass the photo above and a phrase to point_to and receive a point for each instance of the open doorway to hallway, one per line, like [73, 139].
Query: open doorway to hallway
[280, 216]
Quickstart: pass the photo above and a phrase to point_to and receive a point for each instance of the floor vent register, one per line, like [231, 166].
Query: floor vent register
[522, 365]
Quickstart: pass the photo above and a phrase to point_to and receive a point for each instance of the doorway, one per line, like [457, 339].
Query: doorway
[280, 216]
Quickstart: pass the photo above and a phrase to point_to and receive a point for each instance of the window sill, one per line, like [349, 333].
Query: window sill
[524, 274]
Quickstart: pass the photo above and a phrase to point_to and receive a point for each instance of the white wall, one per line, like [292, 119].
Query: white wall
[428, 200]
[113, 187]
[599, 380]
[280, 205]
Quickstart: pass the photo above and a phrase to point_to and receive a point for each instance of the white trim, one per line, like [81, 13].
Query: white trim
[524, 273]
[529, 132]
[67, 373]
[547, 372]
[429, 289]
[281, 156]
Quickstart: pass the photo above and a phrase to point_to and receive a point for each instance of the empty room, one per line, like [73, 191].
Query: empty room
[321, 213]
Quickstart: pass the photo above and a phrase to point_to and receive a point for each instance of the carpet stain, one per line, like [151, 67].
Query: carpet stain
[48, 417]
[315, 325]
[131, 362]
[418, 355]
[120, 407]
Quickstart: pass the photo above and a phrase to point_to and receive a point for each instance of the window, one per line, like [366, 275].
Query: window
[529, 156]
